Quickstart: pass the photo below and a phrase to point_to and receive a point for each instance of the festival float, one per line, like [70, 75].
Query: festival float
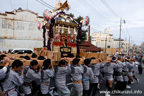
[61, 32]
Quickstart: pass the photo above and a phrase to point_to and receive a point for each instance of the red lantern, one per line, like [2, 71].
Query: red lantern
[39, 25]
[47, 15]
[86, 20]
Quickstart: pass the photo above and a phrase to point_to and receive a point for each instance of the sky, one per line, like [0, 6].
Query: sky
[102, 13]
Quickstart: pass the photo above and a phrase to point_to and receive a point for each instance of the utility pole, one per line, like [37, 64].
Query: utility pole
[120, 35]
[105, 45]
[129, 45]
[89, 40]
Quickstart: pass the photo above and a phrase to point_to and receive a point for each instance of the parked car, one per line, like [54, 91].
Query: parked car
[22, 51]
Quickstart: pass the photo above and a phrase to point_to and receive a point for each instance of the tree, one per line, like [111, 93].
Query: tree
[72, 15]
[78, 19]
[84, 35]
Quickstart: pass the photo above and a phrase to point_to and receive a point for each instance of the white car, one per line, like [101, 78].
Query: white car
[22, 50]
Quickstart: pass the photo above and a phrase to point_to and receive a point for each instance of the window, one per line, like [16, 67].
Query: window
[28, 51]
[18, 51]
[22, 51]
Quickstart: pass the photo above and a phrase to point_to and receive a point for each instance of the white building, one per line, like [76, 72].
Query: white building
[124, 45]
[18, 29]
[108, 43]
[99, 39]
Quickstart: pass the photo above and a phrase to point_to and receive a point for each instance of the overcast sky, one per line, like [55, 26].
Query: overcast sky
[101, 17]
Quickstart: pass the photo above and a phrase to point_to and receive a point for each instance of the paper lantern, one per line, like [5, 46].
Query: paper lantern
[65, 17]
[57, 36]
[72, 36]
[47, 15]
[39, 25]
[63, 20]
[86, 20]
[67, 21]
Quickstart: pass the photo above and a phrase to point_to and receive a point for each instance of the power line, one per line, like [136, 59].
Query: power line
[124, 34]
[85, 6]
[47, 4]
[80, 15]
[94, 9]
[99, 8]
[53, 2]
[130, 37]
[90, 10]
[73, 10]
[97, 23]
[95, 29]
[76, 11]
[111, 10]
[53, 7]
[44, 4]
[127, 29]
[70, 8]
[92, 19]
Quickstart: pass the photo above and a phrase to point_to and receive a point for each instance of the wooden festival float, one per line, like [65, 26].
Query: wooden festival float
[64, 33]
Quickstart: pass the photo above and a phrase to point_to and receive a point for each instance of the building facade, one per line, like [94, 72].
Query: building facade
[108, 43]
[18, 29]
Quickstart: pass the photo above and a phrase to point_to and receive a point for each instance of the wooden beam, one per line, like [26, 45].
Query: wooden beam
[40, 62]
[17, 55]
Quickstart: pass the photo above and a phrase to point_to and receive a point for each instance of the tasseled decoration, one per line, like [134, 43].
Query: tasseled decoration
[50, 33]
[51, 28]
[79, 36]
[78, 49]
[44, 38]
[48, 44]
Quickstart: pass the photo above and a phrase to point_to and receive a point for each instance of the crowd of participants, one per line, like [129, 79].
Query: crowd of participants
[35, 80]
